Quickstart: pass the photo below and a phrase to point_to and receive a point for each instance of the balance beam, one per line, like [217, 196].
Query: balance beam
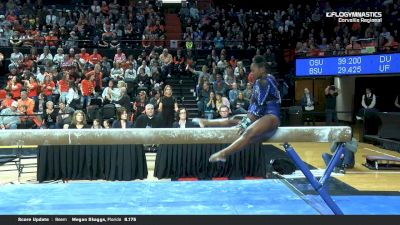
[165, 136]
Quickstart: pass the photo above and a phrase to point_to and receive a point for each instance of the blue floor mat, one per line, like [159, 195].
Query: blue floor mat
[255, 197]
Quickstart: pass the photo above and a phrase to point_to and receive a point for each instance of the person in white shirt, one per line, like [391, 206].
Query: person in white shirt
[368, 103]
[73, 98]
[59, 57]
[45, 56]
[147, 70]
[16, 59]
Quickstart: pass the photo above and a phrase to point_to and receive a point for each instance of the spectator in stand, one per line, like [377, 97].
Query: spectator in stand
[203, 98]
[221, 100]
[122, 119]
[63, 87]
[49, 117]
[219, 85]
[233, 93]
[167, 107]
[96, 124]
[353, 47]
[182, 120]
[16, 59]
[331, 92]
[223, 111]
[240, 105]
[64, 115]
[87, 90]
[95, 57]
[166, 63]
[58, 58]
[73, 98]
[47, 88]
[391, 44]
[368, 103]
[148, 119]
[78, 121]
[210, 106]
[9, 117]
[32, 88]
[25, 101]
[219, 41]
[45, 56]
[14, 87]
[139, 104]
[155, 99]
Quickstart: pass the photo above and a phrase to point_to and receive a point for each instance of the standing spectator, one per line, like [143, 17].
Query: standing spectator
[368, 103]
[9, 117]
[87, 90]
[73, 98]
[63, 87]
[331, 92]
[47, 88]
[168, 106]
[122, 119]
[219, 41]
[148, 120]
[32, 87]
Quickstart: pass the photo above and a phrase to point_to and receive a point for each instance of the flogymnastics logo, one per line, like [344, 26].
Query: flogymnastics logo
[356, 17]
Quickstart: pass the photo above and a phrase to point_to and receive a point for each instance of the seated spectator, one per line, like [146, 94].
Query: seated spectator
[220, 101]
[155, 99]
[124, 101]
[183, 120]
[49, 117]
[233, 93]
[96, 124]
[107, 123]
[9, 117]
[223, 112]
[7, 102]
[391, 44]
[95, 57]
[78, 121]
[16, 59]
[353, 47]
[347, 159]
[64, 115]
[210, 106]
[148, 119]
[142, 81]
[166, 63]
[25, 101]
[84, 55]
[122, 119]
[58, 58]
[219, 85]
[117, 73]
[27, 121]
[240, 105]
[45, 56]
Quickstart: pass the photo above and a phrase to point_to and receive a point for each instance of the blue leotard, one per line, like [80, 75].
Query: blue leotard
[265, 99]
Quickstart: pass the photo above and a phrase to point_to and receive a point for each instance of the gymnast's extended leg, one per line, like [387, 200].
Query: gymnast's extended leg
[265, 126]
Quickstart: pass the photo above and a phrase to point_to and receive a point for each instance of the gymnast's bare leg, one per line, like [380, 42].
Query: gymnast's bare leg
[254, 133]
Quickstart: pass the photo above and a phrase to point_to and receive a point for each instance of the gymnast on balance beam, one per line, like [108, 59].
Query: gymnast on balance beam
[262, 120]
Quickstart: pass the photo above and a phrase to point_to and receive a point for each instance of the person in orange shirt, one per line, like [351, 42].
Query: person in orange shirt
[47, 88]
[33, 91]
[87, 89]
[14, 87]
[98, 77]
[63, 86]
[84, 55]
[95, 57]
[25, 101]
[6, 103]
[51, 40]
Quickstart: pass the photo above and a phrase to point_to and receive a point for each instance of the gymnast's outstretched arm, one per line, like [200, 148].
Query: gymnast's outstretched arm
[254, 133]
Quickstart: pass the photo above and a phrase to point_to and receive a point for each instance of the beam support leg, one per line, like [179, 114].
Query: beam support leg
[319, 187]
